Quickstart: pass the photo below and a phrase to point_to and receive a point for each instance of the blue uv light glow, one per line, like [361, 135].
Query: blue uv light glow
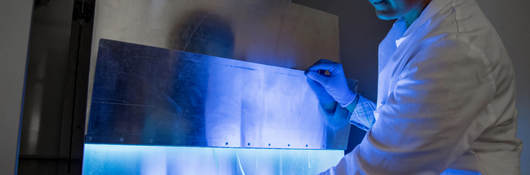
[152, 96]
[155, 160]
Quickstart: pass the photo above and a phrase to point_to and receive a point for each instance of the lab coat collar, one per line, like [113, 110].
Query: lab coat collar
[433, 8]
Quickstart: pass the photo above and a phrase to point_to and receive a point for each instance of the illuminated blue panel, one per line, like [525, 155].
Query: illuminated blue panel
[161, 160]
[152, 96]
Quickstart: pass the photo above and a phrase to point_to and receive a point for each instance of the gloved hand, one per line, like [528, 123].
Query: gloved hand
[330, 76]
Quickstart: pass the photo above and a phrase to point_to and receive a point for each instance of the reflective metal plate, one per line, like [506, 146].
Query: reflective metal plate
[154, 96]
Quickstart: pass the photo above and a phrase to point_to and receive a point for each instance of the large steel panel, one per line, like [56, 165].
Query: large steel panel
[155, 96]
[272, 32]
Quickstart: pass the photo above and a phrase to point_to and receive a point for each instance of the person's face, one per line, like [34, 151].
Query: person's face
[394, 9]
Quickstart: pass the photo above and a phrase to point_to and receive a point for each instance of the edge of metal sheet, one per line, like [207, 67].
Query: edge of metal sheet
[152, 96]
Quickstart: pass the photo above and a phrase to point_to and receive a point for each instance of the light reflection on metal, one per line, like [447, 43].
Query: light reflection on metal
[153, 96]
[147, 160]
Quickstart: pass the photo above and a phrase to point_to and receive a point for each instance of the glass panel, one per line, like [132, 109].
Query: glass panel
[163, 160]
[146, 95]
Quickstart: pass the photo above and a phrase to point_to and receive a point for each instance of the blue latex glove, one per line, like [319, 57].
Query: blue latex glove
[330, 76]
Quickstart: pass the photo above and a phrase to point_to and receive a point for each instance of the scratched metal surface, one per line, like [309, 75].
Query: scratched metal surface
[153, 96]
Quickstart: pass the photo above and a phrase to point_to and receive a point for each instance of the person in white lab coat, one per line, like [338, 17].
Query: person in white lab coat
[446, 95]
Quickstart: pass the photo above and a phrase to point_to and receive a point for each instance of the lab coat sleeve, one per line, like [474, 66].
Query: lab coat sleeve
[362, 115]
[431, 117]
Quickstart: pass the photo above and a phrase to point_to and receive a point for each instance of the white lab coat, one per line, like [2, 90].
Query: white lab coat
[446, 99]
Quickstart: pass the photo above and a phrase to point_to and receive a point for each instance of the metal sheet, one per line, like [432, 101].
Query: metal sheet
[148, 95]
[272, 32]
